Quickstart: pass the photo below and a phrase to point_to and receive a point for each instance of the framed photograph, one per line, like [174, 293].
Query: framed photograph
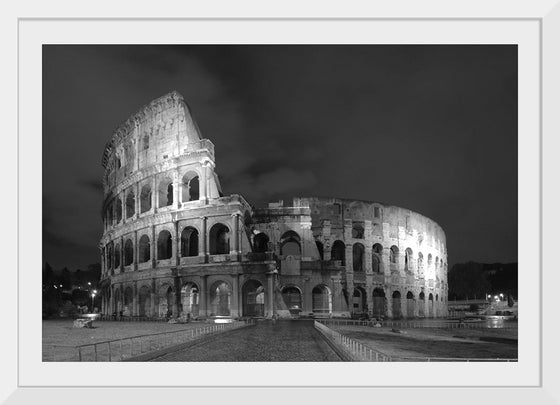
[251, 172]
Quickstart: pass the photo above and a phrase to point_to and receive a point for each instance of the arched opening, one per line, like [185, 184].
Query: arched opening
[219, 240]
[410, 304]
[191, 187]
[117, 256]
[408, 261]
[431, 305]
[144, 302]
[290, 244]
[119, 210]
[165, 192]
[320, 249]
[189, 242]
[358, 257]
[260, 242]
[420, 264]
[164, 245]
[379, 309]
[144, 249]
[166, 297]
[397, 312]
[117, 303]
[321, 300]
[436, 306]
[110, 215]
[130, 205]
[220, 299]
[393, 259]
[338, 252]
[292, 299]
[128, 252]
[253, 299]
[430, 265]
[146, 198]
[421, 305]
[376, 254]
[357, 230]
[127, 310]
[190, 300]
[146, 142]
[110, 256]
[359, 302]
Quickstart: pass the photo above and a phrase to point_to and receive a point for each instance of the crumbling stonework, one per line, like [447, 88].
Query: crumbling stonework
[175, 246]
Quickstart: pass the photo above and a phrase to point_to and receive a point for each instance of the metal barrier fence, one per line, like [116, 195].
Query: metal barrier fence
[423, 324]
[353, 350]
[125, 348]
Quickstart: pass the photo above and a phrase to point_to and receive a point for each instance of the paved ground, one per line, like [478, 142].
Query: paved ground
[283, 341]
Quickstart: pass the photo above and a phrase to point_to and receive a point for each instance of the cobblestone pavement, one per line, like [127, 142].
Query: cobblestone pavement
[283, 341]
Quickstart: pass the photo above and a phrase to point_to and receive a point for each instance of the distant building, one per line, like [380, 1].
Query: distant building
[175, 245]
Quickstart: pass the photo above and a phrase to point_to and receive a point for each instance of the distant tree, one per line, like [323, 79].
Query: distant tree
[66, 278]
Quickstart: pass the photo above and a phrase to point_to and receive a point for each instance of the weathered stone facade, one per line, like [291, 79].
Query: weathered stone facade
[173, 245]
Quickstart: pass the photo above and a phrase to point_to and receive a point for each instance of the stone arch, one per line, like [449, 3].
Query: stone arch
[253, 298]
[128, 252]
[429, 265]
[338, 252]
[166, 297]
[420, 263]
[145, 198]
[144, 302]
[165, 192]
[292, 298]
[117, 303]
[130, 205]
[189, 242]
[117, 256]
[376, 257]
[394, 259]
[164, 245]
[220, 299]
[358, 257]
[422, 305]
[379, 307]
[190, 296]
[290, 244]
[191, 187]
[119, 209]
[397, 312]
[410, 304]
[321, 299]
[219, 239]
[408, 261]
[127, 301]
[144, 249]
[260, 242]
[359, 300]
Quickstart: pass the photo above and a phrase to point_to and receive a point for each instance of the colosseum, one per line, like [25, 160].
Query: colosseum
[175, 246]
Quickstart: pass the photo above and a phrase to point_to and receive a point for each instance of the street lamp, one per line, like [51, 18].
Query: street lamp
[92, 297]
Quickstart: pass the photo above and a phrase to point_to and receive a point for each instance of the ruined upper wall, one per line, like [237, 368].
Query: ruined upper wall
[161, 130]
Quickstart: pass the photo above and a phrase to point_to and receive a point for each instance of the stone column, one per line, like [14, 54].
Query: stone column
[404, 304]
[135, 299]
[155, 195]
[137, 200]
[174, 243]
[203, 307]
[236, 303]
[203, 183]
[153, 244]
[153, 295]
[176, 295]
[121, 287]
[234, 248]
[203, 241]
[123, 206]
[307, 299]
[135, 251]
[121, 265]
[389, 303]
[270, 294]
[176, 202]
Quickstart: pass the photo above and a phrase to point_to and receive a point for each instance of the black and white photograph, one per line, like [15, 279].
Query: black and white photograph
[280, 203]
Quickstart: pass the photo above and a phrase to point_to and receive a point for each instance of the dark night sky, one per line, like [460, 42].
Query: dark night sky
[429, 128]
